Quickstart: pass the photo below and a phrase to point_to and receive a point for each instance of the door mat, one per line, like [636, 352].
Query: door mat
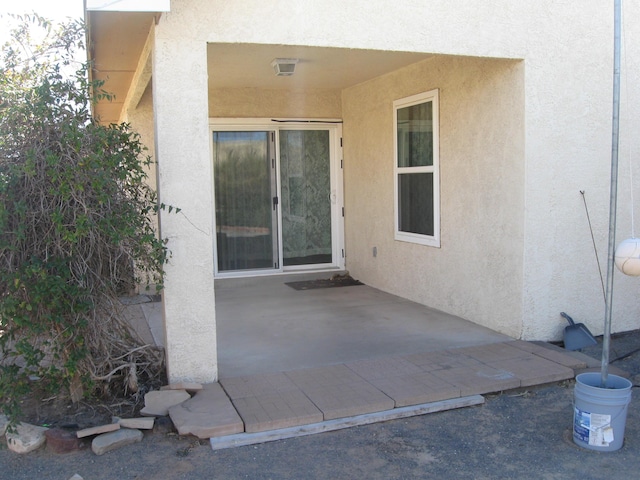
[335, 281]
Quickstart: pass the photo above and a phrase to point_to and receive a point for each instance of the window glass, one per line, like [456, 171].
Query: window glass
[417, 203]
[415, 135]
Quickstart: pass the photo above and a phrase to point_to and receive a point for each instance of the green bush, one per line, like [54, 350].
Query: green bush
[75, 225]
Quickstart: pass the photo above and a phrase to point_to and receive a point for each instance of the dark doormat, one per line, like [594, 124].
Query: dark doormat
[334, 281]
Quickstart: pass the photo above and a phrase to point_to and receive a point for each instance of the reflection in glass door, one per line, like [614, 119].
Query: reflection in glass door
[245, 199]
[275, 198]
[305, 183]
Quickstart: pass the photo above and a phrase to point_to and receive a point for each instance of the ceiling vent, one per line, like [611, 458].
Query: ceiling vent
[284, 67]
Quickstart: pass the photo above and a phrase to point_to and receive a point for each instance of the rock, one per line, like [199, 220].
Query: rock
[62, 441]
[188, 386]
[209, 413]
[157, 404]
[26, 438]
[76, 477]
[97, 430]
[4, 422]
[110, 441]
[145, 423]
[163, 425]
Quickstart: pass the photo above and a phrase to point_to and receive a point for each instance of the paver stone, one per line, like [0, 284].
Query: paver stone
[208, 414]
[158, 403]
[110, 441]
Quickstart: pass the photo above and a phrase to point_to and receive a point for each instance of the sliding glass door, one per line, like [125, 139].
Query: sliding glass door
[275, 205]
[244, 183]
[305, 177]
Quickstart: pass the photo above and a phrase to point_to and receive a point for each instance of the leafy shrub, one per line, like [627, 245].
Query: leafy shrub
[75, 225]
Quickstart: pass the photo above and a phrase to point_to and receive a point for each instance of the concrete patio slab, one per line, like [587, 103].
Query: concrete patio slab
[300, 361]
[264, 326]
[263, 407]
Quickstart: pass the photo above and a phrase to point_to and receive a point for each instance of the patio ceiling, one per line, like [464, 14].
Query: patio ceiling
[249, 66]
[117, 41]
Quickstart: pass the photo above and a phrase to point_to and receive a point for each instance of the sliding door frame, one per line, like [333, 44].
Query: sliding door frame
[334, 126]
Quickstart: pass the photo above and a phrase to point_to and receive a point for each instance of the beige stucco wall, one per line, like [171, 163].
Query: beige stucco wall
[185, 181]
[477, 272]
[268, 103]
[140, 117]
[568, 98]
[549, 139]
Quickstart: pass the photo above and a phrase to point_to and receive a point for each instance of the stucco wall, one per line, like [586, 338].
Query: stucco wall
[483, 28]
[521, 220]
[568, 95]
[477, 272]
[141, 119]
[262, 103]
[185, 181]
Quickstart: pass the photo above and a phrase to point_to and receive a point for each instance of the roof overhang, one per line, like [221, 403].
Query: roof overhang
[119, 49]
[120, 39]
[127, 5]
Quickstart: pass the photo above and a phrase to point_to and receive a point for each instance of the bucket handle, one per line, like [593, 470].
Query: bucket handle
[614, 417]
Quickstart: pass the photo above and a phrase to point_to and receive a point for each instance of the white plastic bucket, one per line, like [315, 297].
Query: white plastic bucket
[600, 413]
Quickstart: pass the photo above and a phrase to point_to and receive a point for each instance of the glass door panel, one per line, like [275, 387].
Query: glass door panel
[245, 193]
[305, 183]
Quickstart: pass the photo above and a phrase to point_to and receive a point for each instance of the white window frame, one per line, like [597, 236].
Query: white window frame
[429, 240]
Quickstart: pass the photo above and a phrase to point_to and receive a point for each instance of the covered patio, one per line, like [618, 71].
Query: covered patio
[266, 326]
[296, 362]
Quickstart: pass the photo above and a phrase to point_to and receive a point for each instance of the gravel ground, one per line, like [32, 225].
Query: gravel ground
[514, 435]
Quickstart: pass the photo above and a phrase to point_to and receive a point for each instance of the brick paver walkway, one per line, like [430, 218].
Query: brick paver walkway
[266, 402]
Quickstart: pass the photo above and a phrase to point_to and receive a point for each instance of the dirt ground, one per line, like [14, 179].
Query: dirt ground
[514, 435]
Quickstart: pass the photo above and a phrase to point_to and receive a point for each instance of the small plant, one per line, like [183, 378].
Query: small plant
[75, 226]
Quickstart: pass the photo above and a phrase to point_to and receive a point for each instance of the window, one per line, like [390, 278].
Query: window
[416, 172]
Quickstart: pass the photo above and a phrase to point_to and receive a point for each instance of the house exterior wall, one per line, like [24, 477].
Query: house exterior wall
[477, 272]
[267, 103]
[568, 104]
[185, 181]
[141, 118]
[557, 95]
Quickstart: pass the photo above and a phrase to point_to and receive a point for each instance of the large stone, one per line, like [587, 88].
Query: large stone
[208, 414]
[157, 403]
[87, 432]
[26, 438]
[62, 441]
[188, 386]
[144, 423]
[110, 441]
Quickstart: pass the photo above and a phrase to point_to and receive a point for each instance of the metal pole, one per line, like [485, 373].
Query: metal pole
[606, 338]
